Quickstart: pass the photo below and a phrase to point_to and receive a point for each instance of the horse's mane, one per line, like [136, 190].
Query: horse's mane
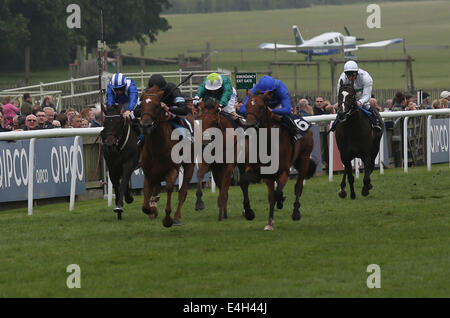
[210, 102]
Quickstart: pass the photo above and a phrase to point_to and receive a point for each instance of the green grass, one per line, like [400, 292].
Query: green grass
[419, 23]
[403, 226]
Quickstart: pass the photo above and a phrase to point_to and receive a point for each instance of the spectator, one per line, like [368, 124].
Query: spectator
[2, 128]
[35, 109]
[319, 107]
[84, 123]
[87, 113]
[304, 109]
[435, 104]
[49, 114]
[443, 103]
[446, 95]
[56, 124]
[62, 118]
[425, 101]
[388, 106]
[329, 107]
[48, 102]
[97, 122]
[76, 121]
[16, 103]
[9, 111]
[374, 103]
[31, 122]
[409, 98]
[40, 116]
[399, 102]
[18, 122]
[411, 106]
[27, 104]
[70, 112]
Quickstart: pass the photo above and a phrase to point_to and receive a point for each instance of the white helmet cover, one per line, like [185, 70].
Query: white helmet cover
[351, 66]
[213, 81]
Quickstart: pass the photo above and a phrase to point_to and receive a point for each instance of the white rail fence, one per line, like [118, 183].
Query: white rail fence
[78, 132]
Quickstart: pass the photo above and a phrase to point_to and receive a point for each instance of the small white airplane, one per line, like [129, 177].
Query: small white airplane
[326, 44]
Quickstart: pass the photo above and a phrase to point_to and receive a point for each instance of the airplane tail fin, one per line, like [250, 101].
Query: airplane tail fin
[297, 35]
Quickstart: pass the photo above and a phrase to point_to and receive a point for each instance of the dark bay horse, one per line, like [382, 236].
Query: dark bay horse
[211, 117]
[157, 162]
[355, 138]
[121, 154]
[297, 155]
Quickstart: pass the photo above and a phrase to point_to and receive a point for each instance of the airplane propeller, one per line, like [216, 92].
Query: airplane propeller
[348, 34]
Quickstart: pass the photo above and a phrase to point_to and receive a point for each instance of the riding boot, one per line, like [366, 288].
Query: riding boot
[375, 118]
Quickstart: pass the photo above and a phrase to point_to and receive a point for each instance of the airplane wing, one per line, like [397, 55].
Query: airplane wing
[379, 44]
[271, 46]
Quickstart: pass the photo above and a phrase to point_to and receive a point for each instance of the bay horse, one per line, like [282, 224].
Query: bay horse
[211, 117]
[157, 162]
[297, 155]
[121, 153]
[355, 138]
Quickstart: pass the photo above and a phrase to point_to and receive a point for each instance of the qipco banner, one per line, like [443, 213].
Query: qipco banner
[439, 140]
[53, 163]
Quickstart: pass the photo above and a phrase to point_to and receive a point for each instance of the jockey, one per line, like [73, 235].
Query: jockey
[122, 91]
[221, 88]
[280, 104]
[362, 82]
[172, 102]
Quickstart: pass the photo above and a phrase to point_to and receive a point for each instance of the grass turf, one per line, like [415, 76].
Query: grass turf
[403, 226]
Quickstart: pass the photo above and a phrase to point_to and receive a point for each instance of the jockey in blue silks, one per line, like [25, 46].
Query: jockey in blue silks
[123, 91]
[280, 104]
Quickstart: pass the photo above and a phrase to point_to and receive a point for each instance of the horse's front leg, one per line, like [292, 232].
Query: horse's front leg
[342, 193]
[281, 182]
[368, 168]
[225, 185]
[271, 196]
[351, 178]
[182, 194]
[244, 183]
[170, 183]
[202, 170]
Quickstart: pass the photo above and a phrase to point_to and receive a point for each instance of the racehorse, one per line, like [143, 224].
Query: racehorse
[297, 155]
[121, 154]
[211, 117]
[157, 162]
[355, 138]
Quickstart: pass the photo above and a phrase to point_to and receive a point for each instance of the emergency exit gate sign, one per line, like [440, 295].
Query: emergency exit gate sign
[245, 80]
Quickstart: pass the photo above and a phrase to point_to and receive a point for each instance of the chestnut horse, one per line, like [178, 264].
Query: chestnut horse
[355, 138]
[121, 154]
[157, 162]
[297, 155]
[211, 117]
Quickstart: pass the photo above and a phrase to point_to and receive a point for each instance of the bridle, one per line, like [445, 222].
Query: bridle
[120, 137]
[257, 116]
[154, 123]
[352, 108]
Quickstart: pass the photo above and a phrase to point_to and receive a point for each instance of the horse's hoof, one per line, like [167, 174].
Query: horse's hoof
[280, 202]
[146, 210]
[268, 228]
[342, 194]
[129, 199]
[364, 192]
[119, 216]
[353, 196]
[199, 205]
[249, 214]
[296, 216]
[167, 221]
[176, 222]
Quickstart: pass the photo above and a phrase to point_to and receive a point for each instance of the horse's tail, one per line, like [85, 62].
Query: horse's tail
[311, 169]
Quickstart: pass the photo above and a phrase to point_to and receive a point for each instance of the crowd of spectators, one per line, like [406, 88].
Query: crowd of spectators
[32, 116]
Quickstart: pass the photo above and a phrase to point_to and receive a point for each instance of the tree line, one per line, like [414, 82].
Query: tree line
[206, 6]
[40, 27]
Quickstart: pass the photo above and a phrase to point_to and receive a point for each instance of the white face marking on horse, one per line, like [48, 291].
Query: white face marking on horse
[344, 93]
[253, 102]
[148, 100]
